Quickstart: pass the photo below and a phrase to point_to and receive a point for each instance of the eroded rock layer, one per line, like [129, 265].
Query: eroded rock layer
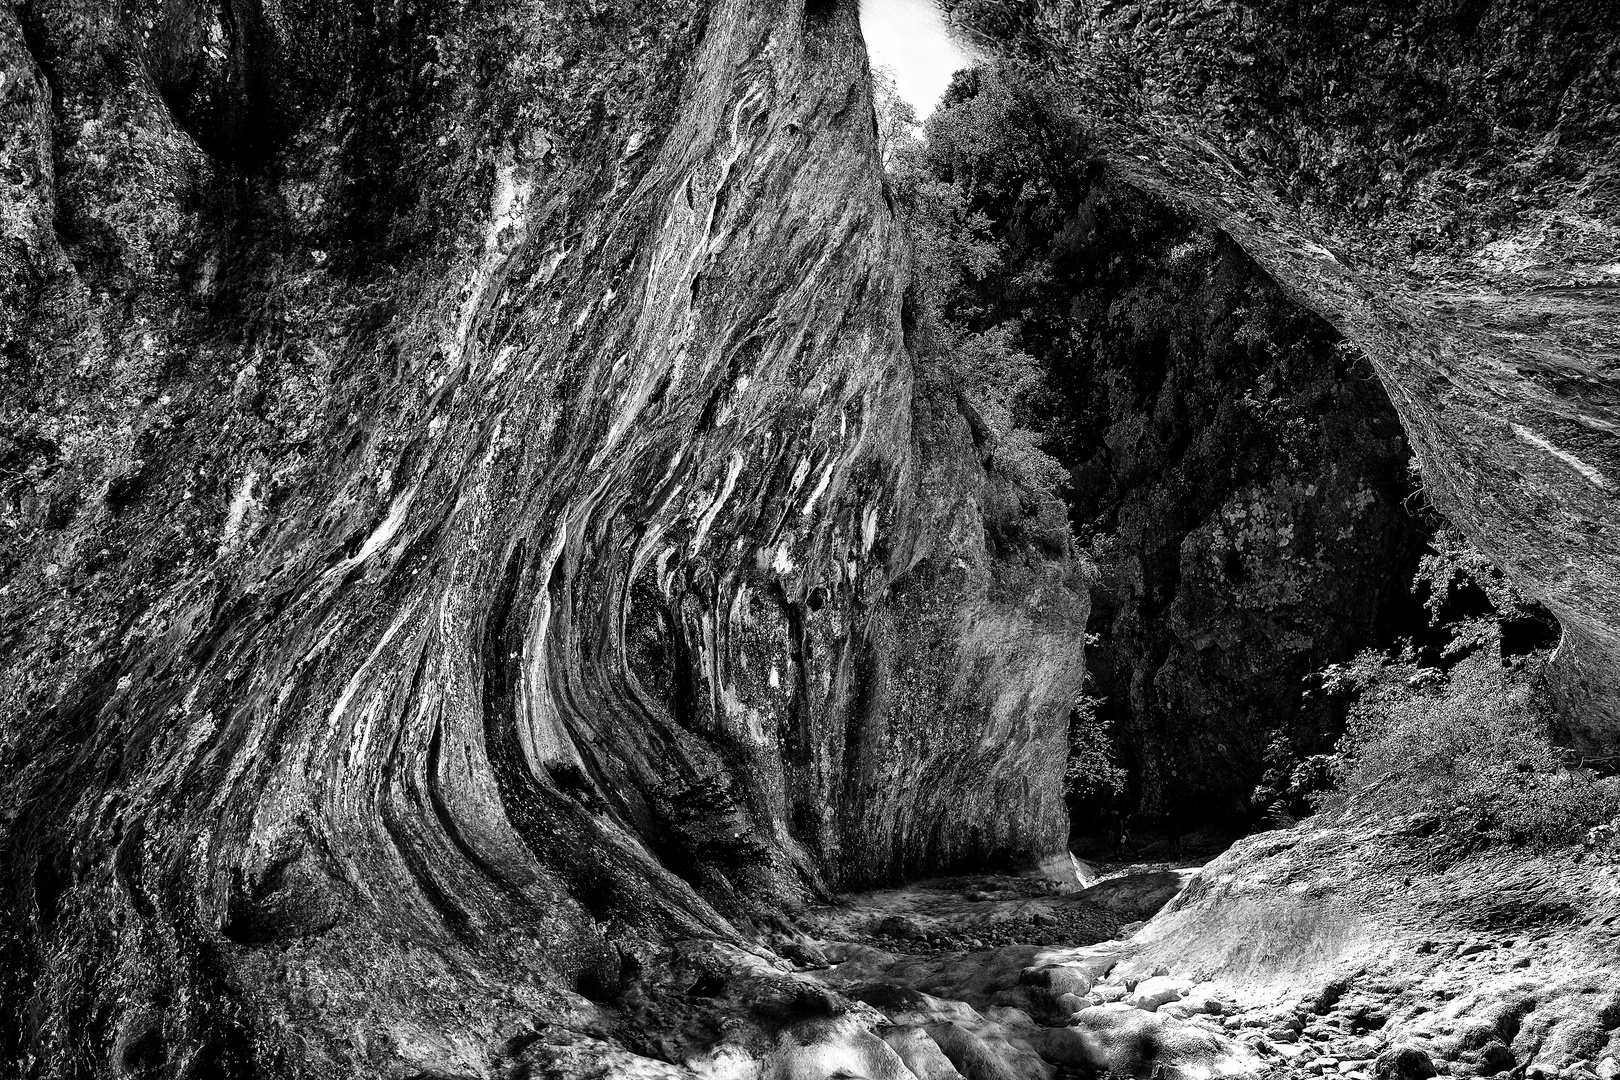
[471, 517]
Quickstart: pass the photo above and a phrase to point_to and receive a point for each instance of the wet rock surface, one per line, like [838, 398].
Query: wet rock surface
[1028, 1008]
[1139, 894]
[1330, 949]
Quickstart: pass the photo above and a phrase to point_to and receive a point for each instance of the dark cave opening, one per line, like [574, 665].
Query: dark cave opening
[1246, 505]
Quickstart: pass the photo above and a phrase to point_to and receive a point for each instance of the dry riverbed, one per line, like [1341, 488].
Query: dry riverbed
[1331, 951]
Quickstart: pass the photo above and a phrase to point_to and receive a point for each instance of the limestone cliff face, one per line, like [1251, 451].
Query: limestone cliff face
[1233, 466]
[470, 514]
[471, 517]
[1245, 489]
[1437, 181]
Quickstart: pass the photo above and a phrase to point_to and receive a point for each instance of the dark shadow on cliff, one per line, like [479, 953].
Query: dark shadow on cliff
[1232, 468]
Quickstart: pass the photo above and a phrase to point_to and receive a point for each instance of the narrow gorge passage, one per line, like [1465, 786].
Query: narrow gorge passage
[1240, 480]
[1234, 475]
[809, 540]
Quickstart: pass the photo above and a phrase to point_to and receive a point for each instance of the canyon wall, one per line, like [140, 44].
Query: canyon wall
[472, 516]
[1438, 181]
[1244, 488]
[1230, 464]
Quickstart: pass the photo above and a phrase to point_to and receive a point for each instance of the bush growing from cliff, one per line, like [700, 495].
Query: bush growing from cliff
[1093, 772]
[1469, 752]
[1462, 739]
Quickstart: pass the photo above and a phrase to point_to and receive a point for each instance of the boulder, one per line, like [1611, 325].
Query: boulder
[1204, 998]
[1159, 990]
[1073, 1003]
[899, 926]
[1139, 896]
[986, 1056]
[1133, 971]
[920, 1053]
[1492, 1058]
[1124, 1041]
[839, 1047]
[1068, 872]
[1060, 979]
[1405, 1063]
[804, 951]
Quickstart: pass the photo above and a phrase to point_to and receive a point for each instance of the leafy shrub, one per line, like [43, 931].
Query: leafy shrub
[1092, 772]
[1293, 783]
[1453, 728]
[1468, 751]
[896, 119]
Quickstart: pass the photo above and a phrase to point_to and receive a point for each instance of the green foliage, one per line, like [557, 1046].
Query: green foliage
[896, 119]
[990, 164]
[1468, 751]
[1293, 783]
[1092, 772]
[1460, 737]
[1452, 569]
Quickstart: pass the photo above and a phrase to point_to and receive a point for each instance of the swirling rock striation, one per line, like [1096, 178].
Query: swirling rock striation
[473, 516]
